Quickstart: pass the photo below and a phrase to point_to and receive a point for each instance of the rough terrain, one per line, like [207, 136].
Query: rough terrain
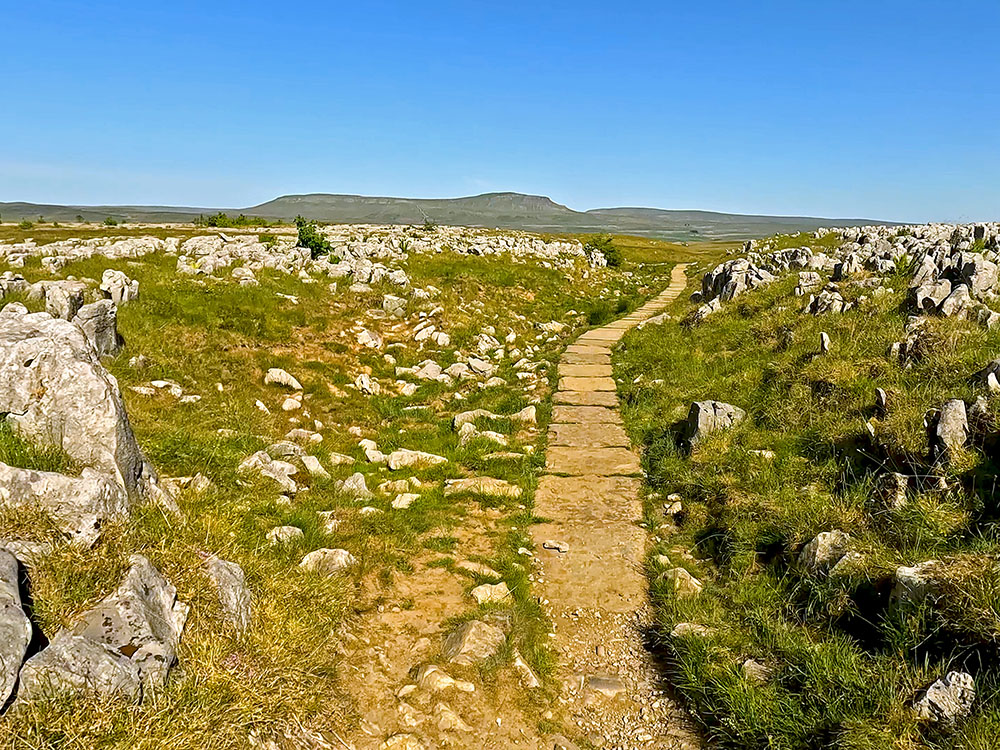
[276, 496]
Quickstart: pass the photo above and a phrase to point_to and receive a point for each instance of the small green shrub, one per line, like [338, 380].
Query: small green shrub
[310, 237]
[111, 222]
[603, 244]
[25, 224]
[222, 219]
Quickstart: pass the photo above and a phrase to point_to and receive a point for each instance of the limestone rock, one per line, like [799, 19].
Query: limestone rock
[15, 628]
[284, 534]
[707, 417]
[355, 486]
[528, 677]
[63, 299]
[404, 458]
[948, 430]
[99, 323]
[490, 593]
[55, 390]
[277, 376]
[473, 642]
[234, 596]
[124, 646]
[118, 287]
[683, 583]
[914, 584]
[824, 551]
[78, 506]
[947, 700]
[328, 561]
[77, 665]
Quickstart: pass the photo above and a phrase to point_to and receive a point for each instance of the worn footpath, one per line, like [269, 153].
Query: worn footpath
[592, 548]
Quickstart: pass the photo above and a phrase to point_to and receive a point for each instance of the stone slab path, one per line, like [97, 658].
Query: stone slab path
[592, 549]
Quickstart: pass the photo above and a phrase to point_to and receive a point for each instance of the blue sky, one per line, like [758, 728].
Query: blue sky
[878, 109]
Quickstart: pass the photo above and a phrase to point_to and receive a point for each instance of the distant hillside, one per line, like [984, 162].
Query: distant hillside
[502, 210]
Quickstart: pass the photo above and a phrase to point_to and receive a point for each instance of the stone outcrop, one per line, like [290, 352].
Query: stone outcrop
[78, 506]
[15, 628]
[118, 287]
[123, 647]
[99, 323]
[707, 417]
[54, 389]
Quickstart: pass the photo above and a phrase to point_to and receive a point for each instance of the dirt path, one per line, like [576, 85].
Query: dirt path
[593, 582]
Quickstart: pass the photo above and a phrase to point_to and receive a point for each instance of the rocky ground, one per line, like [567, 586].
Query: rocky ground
[819, 426]
[253, 498]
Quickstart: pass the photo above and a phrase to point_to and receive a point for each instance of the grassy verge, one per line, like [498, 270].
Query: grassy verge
[842, 661]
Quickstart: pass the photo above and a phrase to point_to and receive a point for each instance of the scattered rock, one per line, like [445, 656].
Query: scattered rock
[234, 596]
[473, 642]
[489, 593]
[683, 583]
[707, 417]
[277, 376]
[403, 458]
[947, 700]
[284, 534]
[528, 677]
[328, 561]
[824, 551]
[948, 430]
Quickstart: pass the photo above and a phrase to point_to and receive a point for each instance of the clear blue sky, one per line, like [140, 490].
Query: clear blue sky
[879, 109]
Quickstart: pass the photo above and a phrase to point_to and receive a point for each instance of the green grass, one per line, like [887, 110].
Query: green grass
[846, 662]
[217, 340]
[17, 451]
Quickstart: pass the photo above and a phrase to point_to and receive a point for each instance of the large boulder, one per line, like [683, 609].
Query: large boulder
[706, 417]
[99, 323]
[118, 287]
[78, 506]
[15, 628]
[54, 389]
[125, 646]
